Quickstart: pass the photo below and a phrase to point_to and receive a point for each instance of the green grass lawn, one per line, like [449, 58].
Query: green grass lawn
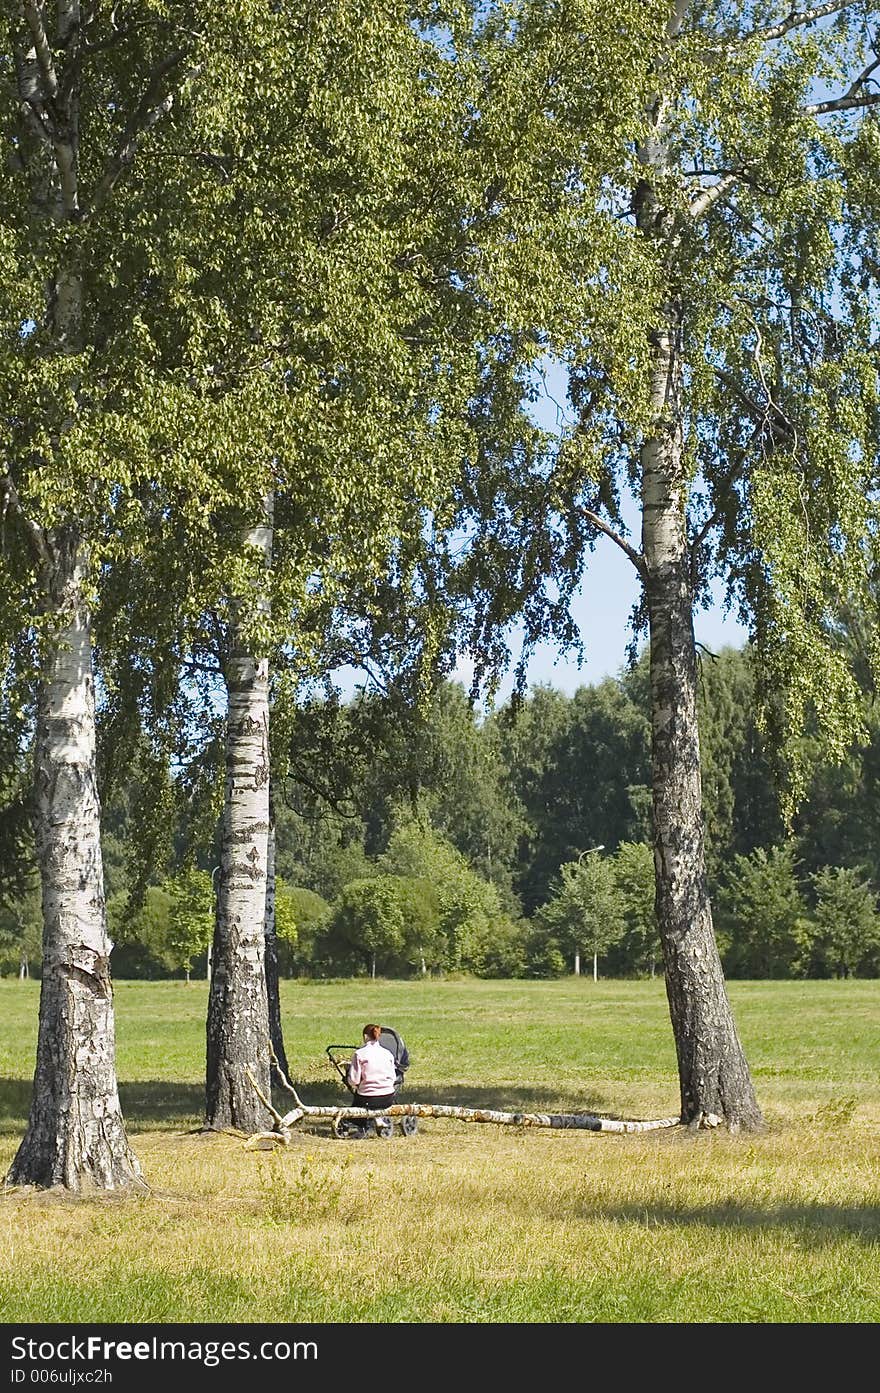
[470, 1222]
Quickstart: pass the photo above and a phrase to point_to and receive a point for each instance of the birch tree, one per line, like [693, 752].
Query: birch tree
[330, 158]
[238, 1006]
[75, 1134]
[693, 191]
[105, 399]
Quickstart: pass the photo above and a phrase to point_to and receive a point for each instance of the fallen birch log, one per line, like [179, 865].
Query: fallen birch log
[583, 1122]
[577, 1121]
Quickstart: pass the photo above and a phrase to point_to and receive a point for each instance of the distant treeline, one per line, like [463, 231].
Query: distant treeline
[516, 844]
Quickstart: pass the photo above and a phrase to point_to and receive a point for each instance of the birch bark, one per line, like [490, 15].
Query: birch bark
[273, 991]
[713, 1073]
[238, 1013]
[75, 1136]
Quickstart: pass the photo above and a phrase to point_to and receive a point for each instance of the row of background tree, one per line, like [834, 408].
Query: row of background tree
[410, 842]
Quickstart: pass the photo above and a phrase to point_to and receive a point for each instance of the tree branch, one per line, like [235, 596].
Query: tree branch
[193, 665]
[842, 104]
[35, 121]
[602, 526]
[42, 105]
[584, 1122]
[710, 196]
[118, 34]
[796, 20]
[765, 415]
[715, 516]
[33, 533]
[851, 99]
[42, 48]
[275, 1115]
[149, 111]
[762, 412]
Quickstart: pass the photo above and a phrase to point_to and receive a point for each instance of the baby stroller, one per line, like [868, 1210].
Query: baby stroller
[351, 1127]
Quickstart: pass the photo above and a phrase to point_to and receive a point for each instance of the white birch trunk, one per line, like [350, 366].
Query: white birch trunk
[273, 988]
[76, 1136]
[713, 1073]
[238, 1013]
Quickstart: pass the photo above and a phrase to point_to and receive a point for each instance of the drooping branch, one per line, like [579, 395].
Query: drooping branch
[602, 526]
[762, 412]
[715, 516]
[766, 415]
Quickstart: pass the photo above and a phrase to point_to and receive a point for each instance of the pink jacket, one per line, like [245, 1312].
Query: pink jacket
[372, 1071]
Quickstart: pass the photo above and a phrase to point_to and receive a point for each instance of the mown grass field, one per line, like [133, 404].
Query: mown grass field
[470, 1222]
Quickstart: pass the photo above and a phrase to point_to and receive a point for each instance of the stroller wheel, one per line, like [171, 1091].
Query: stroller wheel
[409, 1126]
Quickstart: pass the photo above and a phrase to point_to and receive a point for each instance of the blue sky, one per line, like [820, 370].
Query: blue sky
[601, 610]
[605, 598]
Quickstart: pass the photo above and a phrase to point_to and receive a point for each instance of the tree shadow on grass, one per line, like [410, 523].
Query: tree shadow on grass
[816, 1225]
[15, 1105]
[157, 1104]
[151, 1103]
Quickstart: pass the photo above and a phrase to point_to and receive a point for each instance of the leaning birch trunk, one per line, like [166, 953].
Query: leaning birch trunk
[75, 1136]
[713, 1072]
[238, 1014]
[273, 992]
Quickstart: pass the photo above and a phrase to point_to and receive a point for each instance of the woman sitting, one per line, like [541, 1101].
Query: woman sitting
[372, 1074]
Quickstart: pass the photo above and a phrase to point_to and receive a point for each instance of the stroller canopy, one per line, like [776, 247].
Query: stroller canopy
[395, 1045]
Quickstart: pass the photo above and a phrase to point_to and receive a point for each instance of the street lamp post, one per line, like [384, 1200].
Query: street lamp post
[577, 956]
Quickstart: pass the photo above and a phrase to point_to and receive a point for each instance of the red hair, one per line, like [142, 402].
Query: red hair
[372, 1032]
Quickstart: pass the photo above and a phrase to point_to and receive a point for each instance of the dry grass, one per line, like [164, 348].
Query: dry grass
[469, 1222]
